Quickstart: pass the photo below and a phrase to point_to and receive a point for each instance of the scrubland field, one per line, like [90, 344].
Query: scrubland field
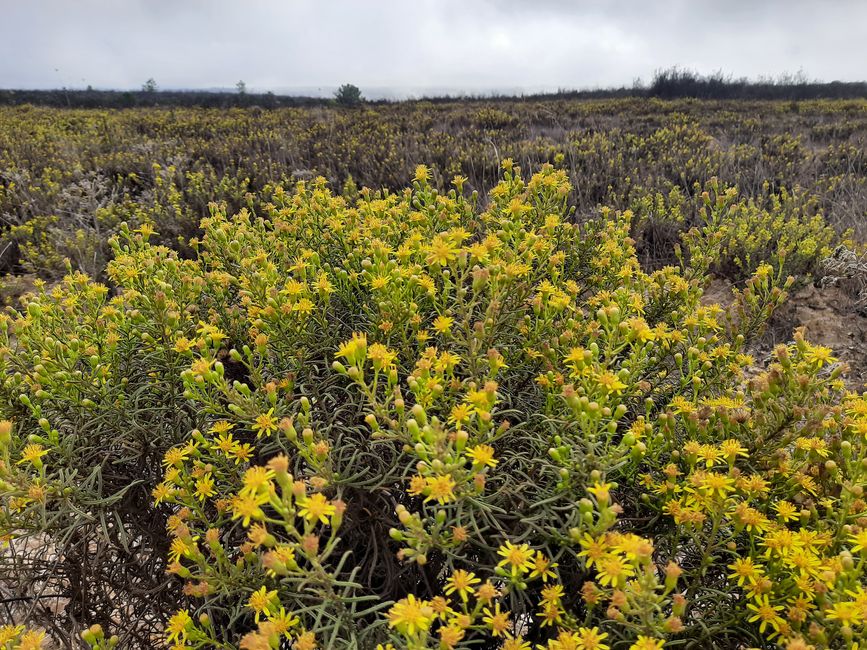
[519, 375]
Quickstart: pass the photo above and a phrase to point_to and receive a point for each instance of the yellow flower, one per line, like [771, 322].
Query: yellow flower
[440, 488]
[859, 541]
[354, 350]
[766, 613]
[265, 423]
[306, 641]
[32, 640]
[647, 643]
[602, 491]
[316, 508]
[819, 355]
[518, 557]
[257, 480]
[496, 620]
[590, 638]
[226, 444]
[33, 454]
[613, 570]
[282, 622]
[482, 455]
[745, 570]
[846, 613]
[442, 324]
[176, 628]
[461, 413]
[380, 356]
[462, 582]
[543, 567]
[441, 251]
[262, 601]
[731, 449]
[786, 511]
[411, 615]
[220, 427]
[593, 549]
[9, 633]
[247, 507]
[610, 382]
[205, 487]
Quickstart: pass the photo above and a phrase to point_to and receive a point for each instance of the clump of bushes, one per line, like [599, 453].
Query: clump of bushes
[69, 177]
[784, 229]
[409, 422]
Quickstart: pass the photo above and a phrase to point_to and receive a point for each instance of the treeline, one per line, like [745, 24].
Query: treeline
[672, 83]
[91, 98]
[676, 83]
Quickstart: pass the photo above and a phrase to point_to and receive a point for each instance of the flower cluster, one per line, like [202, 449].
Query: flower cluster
[410, 422]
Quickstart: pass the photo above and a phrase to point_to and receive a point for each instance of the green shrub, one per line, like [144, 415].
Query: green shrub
[415, 423]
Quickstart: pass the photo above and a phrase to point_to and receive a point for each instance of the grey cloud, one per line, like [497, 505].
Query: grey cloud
[416, 45]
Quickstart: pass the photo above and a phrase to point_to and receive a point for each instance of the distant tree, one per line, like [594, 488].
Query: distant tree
[348, 95]
[150, 86]
[241, 87]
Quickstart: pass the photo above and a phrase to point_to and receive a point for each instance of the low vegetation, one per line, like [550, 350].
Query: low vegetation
[248, 402]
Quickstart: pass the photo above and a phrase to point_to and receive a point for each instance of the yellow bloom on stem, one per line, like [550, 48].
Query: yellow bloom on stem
[518, 557]
[819, 355]
[496, 620]
[256, 480]
[282, 622]
[462, 582]
[443, 324]
[709, 454]
[265, 423]
[381, 357]
[746, 571]
[225, 443]
[205, 487]
[176, 628]
[590, 638]
[241, 452]
[263, 601]
[461, 413]
[602, 491]
[316, 508]
[411, 616]
[516, 643]
[786, 511]
[9, 633]
[859, 541]
[247, 507]
[847, 613]
[355, 349]
[766, 613]
[647, 643]
[32, 640]
[731, 449]
[543, 567]
[174, 457]
[593, 549]
[440, 488]
[610, 382]
[613, 570]
[220, 427]
[483, 455]
[33, 454]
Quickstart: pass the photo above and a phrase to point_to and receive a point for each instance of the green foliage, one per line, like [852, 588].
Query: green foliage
[420, 422]
[59, 168]
[349, 96]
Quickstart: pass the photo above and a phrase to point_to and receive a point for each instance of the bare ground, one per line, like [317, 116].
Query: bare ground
[829, 316]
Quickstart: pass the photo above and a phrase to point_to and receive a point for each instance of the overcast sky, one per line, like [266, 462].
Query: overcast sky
[410, 46]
